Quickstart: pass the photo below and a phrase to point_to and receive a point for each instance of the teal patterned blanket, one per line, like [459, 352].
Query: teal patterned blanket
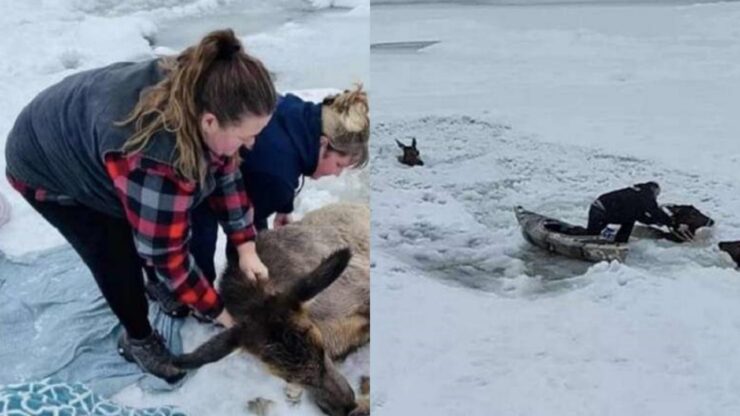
[51, 397]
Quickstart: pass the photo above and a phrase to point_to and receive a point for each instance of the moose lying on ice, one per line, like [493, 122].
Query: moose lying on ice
[314, 309]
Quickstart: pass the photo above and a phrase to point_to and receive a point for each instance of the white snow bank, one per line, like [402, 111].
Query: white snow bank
[50, 42]
[618, 342]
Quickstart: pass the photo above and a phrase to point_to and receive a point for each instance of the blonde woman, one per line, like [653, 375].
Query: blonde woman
[302, 139]
[116, 158]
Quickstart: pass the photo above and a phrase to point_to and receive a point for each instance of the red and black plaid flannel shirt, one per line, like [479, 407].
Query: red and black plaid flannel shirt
[156, 203]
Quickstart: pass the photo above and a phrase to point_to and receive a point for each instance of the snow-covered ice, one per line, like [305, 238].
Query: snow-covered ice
[313, 47]
[547, 106]
[308, 47]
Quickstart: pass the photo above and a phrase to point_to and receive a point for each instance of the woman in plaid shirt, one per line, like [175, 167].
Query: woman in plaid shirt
[116, 158]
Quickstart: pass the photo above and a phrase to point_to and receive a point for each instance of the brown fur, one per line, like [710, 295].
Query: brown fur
[341, 311]
[315, 307]
[689, 215]
[411, 155]
[682, 214]
[733, 249]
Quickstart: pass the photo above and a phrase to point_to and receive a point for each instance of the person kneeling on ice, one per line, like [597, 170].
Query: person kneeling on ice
[627, 206]
[117, 157]
[302, 139]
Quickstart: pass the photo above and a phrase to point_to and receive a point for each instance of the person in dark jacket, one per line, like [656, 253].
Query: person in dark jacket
[302, 139]
[117, 157]
[625, 207]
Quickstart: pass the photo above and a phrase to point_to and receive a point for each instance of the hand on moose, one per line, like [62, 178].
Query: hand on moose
[250, 262]
[225, 319]
[281, 220]
[682, 232]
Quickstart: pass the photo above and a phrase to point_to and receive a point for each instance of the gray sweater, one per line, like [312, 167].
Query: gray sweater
[60, 139]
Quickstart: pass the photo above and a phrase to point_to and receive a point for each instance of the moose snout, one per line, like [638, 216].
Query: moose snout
[732, 248]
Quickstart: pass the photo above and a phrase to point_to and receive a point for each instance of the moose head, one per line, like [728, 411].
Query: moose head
[733, 249]
[689, 215]
[410, 154]
[273, 324]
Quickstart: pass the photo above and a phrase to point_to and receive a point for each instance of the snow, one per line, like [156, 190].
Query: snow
[547, 106]
[631, 79]
[325, 48]
[314, 48]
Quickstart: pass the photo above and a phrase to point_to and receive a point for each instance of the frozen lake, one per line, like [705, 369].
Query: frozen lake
[547, 106]
[631, 80]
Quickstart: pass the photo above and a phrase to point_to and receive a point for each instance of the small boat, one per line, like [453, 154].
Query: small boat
[566, 239]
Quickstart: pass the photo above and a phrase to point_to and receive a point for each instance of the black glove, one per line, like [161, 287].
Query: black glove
[674, 223]
[682, 232]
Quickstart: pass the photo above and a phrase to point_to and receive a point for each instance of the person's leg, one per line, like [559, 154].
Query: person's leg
[203, 237]
[625, 230]
[596, 220]
[159, 292]
[106, 246]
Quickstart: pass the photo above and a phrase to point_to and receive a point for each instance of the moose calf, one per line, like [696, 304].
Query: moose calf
[410, 154]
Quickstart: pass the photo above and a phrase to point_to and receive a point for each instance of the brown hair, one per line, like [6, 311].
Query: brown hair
[346, 123]
[216, 76]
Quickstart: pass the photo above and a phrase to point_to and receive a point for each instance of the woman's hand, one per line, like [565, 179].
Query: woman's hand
[682, 232]
[281, 220]
[250, 262]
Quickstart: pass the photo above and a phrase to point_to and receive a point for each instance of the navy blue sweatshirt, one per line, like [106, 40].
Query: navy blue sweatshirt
[286, 149]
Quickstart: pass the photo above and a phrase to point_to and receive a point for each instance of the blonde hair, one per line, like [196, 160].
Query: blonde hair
[346, 123]
[216, 76]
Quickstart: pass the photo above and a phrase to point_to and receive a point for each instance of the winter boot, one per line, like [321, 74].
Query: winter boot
[151, 354]
[168, 303]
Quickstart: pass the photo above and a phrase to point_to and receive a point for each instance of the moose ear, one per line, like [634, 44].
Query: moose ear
[320, 278]
[413, 143]
[400, 144]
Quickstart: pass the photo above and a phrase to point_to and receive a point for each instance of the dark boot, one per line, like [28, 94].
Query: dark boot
[151, 354]
[168, 303]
